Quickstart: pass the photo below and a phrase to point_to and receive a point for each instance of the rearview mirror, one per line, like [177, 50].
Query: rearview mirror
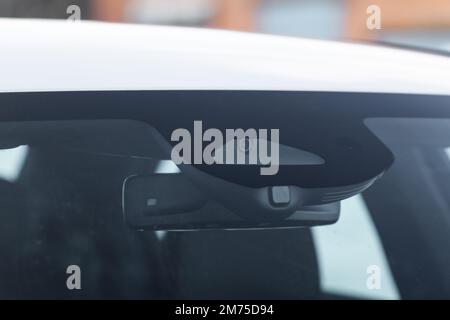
[280, 164]
[171, 201]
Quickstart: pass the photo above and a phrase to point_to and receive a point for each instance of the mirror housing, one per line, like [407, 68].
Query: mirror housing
[172, 202]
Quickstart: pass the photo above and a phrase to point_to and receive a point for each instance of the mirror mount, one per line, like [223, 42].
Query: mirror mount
[180, 201]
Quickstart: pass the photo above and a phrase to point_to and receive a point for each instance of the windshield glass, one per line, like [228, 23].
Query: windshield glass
[61, 206]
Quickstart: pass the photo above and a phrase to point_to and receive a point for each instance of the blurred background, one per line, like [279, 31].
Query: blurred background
[419, 23]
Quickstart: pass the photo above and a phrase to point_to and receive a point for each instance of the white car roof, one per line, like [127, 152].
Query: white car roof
[51, 55]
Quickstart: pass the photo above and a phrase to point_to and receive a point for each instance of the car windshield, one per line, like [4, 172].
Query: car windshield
[63, 192]
[61, 206]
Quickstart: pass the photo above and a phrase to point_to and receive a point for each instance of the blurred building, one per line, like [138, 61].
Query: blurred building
[423, 23]
[48, 9]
